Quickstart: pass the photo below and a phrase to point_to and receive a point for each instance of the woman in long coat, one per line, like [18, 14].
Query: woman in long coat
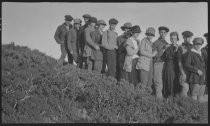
[170, 71]
[131, 58]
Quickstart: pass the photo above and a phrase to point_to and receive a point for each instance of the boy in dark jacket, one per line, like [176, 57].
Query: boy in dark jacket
[196, 66]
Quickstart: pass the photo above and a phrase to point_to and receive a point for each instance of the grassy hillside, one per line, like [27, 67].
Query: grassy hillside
[36, 90]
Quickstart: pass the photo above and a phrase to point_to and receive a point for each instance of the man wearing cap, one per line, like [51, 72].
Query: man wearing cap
[109, 42]
[97, 55]
[89, 43]
[86, 18]
[195, 64]
[159, 45]
[145, 63]
[61, 35]
[182, 51]
[73, 41]
[121, 51]
[205, 51]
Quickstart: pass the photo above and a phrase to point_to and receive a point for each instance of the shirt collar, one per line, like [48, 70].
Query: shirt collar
[196, 51]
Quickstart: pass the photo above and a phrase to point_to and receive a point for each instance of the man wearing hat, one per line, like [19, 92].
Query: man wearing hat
[73, 41]
[89, 43]
[159, 45]
[60, 37]
[86, 18]
[182, 52]
[145, 63]
[97, 55]
[121, 51]
[109, 42]
[195, 64]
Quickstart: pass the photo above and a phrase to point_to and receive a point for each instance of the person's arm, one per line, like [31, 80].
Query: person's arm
[188, 64]
[142, 49]
[179, 58]
[130, 50]
[69, 39]
[57, 34]
[105, 42]
[89, 39]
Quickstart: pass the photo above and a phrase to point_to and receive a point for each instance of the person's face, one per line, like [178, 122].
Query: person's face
[86, 20]
[112, 26]
[173, 39]
[163, 34]
[150, 37]
[126, 30]
[77, 26]
[197, 46]
[187, 39]
[136, 35]
[101, 27]
[93, 24]
[68, 23]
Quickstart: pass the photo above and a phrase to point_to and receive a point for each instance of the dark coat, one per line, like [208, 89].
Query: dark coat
[61, 33]
[195, 61]
[170, 71]
[97, 38]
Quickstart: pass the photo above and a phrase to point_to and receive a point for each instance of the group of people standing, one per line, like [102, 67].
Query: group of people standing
[163, 68]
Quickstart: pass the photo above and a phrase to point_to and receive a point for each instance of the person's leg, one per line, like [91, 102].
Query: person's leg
[158, 82]
[194, 91]
[104, 61]
[63, 54]
[97, 65]
[111, 63]
[201, 94]
[150, 78]
[144, 75]
[89, 64]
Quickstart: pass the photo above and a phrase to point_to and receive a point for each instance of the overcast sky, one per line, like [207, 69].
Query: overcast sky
[34, 24]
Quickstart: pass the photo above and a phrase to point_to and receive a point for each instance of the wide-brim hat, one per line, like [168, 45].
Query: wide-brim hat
[135, 29]
[187, 34]
[198, 40]
[93, 19]
[163, 28]
[127, 25]
[68, 18]
[101, 22]
[150, 31]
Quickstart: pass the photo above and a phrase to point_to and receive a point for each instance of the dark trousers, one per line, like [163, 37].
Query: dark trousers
[104, 63]
[111, 62]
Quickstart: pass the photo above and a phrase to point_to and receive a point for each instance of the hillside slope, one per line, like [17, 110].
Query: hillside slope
[36, 90]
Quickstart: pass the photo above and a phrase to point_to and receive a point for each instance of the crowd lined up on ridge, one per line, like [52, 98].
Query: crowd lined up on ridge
[162, 68]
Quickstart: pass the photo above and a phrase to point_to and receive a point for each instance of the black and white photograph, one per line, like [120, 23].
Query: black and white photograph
[104, 62]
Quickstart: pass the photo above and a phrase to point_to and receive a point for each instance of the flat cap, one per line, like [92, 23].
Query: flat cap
[68, 18]
[86, 16]
[205, 35]
[101, 22]
[77, 21]
[135, 29]
[150, 31]
[198, 40]
[187, 34]
[126, 25]
[163, 28]
[93, 19]
[113, 21]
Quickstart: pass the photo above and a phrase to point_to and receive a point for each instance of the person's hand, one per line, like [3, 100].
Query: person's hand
[116, 47]
[71, 52]
[97, 47]
[183, 76]
[154, 53]
[200, 72]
